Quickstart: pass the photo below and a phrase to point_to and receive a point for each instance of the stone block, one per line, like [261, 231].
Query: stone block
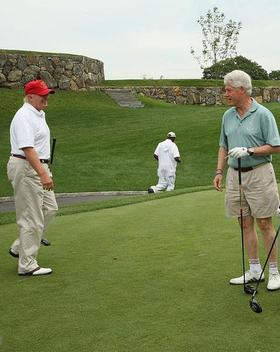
[3, 60]
[48, 78]
[14, 76]
[69, 66]
[27, 77]
[180, 100]
[21, 63]
[266, 95]
[2, 78]
[32, 59]
[31, 69]
[77, 70]
[64, 83]
[73, 85]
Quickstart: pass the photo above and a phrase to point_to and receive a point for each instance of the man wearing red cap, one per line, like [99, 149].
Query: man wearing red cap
[31, 178]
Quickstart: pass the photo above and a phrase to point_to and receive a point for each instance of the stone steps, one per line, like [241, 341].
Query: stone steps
[124, 98]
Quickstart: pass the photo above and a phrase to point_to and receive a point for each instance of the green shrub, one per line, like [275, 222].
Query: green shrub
[274, 75]
[219, 70]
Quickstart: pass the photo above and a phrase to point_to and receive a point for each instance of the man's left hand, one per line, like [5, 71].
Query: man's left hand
[238, 152]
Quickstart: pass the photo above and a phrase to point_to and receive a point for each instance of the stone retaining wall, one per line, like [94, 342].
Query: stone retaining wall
[202, 96]
[63, 71]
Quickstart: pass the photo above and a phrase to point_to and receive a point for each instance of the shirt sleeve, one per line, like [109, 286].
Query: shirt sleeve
[176, 153]
[223, 138]
[24, 132]
[157, 150]
[270, 130]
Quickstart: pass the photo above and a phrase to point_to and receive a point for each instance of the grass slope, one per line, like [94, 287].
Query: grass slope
[101, 146]
[148, 277]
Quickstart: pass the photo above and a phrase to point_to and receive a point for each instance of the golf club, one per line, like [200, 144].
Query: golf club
[52, 150]
[254, 305]
[247, 288]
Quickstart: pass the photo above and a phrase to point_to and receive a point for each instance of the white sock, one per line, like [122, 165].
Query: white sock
[255, 265]
[273, 268]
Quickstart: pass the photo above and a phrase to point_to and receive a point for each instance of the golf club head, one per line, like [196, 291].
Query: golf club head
[255, 306]
[250, 290]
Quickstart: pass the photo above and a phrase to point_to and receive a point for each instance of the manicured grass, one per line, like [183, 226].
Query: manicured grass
[147, 277]
[101, 146]
[10, 217]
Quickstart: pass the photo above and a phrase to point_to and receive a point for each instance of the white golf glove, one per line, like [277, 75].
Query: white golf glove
[278, 211]
[238, 152]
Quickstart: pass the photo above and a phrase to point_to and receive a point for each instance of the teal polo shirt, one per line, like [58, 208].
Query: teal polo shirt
[256, 128]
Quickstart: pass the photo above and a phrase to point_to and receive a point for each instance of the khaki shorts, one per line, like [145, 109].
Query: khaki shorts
[260, 197]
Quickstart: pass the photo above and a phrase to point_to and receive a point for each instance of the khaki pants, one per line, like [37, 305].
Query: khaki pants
[259, 192]
[35, 208]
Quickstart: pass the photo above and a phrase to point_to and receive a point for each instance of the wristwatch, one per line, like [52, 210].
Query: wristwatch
[250, 151]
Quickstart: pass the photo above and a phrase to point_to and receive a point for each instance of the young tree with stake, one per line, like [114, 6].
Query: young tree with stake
[219, 38]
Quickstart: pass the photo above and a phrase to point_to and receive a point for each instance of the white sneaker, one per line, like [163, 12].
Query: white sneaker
[273, 282]
[38, 271]
[42, 271]
[250, 276]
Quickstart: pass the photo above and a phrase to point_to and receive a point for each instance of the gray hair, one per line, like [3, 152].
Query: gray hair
[237, 79]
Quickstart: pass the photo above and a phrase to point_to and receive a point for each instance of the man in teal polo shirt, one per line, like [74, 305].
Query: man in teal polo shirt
[249, 132]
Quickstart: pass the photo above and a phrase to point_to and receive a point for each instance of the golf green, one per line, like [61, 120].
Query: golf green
[146, 277]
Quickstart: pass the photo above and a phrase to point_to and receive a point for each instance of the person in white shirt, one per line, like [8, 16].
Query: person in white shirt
[30, 177]
[167, 154]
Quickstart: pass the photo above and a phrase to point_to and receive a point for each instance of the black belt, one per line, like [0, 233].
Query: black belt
[244, 169]
[250, 168]
[43, 161]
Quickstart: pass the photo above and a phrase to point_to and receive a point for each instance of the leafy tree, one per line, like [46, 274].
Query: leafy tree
[219, 38]
[274, 75]
[221, 68]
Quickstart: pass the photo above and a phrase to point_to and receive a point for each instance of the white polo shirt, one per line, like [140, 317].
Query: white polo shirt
[29, 129]
[166, 152]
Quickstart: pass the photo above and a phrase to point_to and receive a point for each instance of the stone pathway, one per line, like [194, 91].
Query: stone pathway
[7, 203]
[124, 98]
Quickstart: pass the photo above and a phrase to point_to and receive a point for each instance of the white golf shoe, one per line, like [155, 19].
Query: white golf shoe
[273, 282]
[250, 276]
[37, 272]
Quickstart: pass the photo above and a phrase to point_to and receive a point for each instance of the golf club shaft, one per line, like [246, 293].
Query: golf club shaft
[266, 261]
[52, 150]
[241, 221]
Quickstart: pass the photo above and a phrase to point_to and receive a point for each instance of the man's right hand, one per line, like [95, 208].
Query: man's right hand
[33, 158]
[217, 182]
[46, 181]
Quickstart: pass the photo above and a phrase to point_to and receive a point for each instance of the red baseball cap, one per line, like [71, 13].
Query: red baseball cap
[37, 87]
